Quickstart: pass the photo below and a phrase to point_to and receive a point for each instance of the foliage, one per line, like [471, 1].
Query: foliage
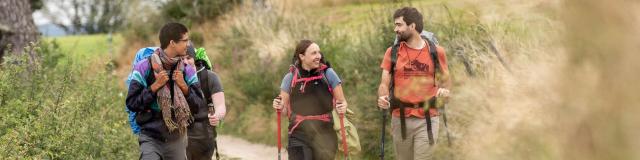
[62, 111]
[197, 10]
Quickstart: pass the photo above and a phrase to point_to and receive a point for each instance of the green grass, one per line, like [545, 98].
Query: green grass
[85, 47]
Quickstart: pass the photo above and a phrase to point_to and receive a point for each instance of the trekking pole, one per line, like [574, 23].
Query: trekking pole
[212, 111]
[279, 113]
[443, 111]
[344, 135]
[384, 126]
[444, 118]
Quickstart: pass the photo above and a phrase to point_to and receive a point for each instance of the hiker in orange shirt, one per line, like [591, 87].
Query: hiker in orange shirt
[408, 86]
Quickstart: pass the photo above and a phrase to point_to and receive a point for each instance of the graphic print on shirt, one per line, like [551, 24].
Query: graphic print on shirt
[415, 67]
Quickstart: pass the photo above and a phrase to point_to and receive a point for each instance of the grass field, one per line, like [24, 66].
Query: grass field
[86, 47]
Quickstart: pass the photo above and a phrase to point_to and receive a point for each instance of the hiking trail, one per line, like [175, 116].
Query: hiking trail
[234, 148]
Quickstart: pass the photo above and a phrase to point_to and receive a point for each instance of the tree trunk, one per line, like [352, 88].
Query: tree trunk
[17, 28]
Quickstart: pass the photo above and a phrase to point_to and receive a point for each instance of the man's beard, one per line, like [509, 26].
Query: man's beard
[403, 37]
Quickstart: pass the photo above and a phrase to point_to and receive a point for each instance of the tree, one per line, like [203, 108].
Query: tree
[197, 10]
[86, 16]
[17, 28]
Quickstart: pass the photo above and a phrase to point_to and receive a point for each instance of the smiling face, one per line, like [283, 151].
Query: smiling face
[173, 39]
[408, 23]
[310, 59]
[403, 31]
[189, 60]
[180, 46]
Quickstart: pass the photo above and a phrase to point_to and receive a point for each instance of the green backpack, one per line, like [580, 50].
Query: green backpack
[353, 141]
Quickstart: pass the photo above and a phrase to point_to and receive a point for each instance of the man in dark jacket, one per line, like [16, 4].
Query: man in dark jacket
[165, 106]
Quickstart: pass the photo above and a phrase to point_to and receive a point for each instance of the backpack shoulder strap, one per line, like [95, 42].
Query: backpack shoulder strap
[205, 85]
[392, 99]
[294, 75]
[433, 51]
[394, 60]
[394, 57]
[150, 78]
[326, 80]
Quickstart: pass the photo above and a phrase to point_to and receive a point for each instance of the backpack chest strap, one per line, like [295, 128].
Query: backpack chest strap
[307, 80]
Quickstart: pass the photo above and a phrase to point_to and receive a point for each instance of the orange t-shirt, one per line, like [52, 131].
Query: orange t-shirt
[414, 75]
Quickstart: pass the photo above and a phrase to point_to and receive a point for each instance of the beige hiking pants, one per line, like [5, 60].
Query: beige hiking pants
[416, 145]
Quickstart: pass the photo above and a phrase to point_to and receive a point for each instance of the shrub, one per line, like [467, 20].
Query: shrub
[61, 111]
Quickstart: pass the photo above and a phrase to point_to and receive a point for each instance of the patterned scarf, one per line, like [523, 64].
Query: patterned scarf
[179, 106]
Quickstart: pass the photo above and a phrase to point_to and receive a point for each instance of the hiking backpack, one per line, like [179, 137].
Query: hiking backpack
[142, 53]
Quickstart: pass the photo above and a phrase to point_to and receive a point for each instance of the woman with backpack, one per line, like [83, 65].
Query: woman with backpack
[308, 94]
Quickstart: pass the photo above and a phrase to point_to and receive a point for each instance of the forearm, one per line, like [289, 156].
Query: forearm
[219, 104]
[154, 88]
[383, 90]
[284, 97]
[385, 79]
[446, 79]
[339, 94]
[184, 89]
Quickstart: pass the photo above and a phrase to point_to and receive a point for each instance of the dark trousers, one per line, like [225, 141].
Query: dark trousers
[202, 141]
[313, 140]
[154, 149]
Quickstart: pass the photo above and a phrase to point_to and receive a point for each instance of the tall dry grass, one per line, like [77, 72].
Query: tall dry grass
[489, 100]
[570, 95]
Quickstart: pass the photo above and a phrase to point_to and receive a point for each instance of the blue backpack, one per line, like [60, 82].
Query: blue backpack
[143, 53]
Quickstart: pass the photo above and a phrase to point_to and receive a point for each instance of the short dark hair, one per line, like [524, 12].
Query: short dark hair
[171, 31]
[410, 15]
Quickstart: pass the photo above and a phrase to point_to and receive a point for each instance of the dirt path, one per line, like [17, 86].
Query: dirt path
[236, 148]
